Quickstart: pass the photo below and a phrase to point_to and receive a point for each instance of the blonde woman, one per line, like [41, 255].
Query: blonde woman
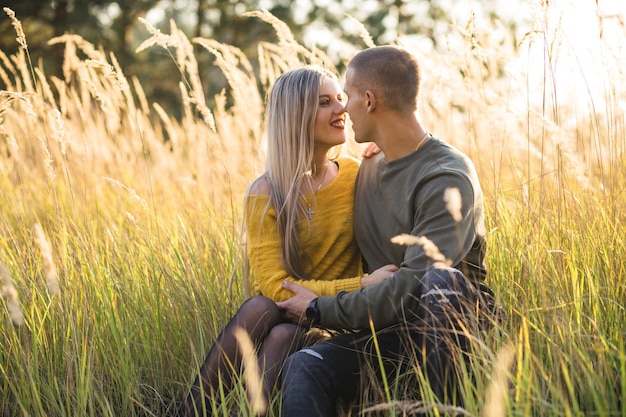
[298, 221]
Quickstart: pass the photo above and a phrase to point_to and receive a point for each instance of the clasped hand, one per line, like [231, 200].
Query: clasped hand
[295, 307]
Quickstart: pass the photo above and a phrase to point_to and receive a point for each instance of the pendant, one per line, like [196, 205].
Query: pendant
[309, 211]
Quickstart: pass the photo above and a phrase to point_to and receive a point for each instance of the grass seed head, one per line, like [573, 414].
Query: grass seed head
[431, 250]
[9, 293]
[252, 373]
[21, 38]
[452, 197]
[52, 279]
[495, 402]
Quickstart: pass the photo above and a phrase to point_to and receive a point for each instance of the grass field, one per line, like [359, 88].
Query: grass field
[120, 253]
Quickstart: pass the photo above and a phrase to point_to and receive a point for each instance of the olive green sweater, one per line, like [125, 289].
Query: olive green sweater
[407, 196]
[327, 241]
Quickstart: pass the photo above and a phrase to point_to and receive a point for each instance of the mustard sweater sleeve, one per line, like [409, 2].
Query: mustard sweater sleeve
[330, 254]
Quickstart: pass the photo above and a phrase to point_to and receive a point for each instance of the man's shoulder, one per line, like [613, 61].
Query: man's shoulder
[446, 156]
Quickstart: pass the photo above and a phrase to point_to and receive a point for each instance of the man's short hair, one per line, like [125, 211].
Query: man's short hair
[391, 72]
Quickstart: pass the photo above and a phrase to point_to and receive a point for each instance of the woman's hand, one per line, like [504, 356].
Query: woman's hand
[379, 275]
[372, 149]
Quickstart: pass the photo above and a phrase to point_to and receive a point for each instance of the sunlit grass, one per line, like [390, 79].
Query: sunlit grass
[142, 216]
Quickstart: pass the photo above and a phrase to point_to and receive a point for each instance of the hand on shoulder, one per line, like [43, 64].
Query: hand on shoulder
[371, 150]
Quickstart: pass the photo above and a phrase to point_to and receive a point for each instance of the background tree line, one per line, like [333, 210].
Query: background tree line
[113, 25]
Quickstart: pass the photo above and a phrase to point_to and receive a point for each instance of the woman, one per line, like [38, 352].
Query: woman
[298, 221]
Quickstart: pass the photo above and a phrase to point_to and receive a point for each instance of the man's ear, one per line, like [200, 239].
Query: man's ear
[371, 100]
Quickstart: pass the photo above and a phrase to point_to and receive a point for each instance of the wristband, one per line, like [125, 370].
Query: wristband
[313, 313]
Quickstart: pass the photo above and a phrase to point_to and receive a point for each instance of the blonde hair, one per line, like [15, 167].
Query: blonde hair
[290, 120]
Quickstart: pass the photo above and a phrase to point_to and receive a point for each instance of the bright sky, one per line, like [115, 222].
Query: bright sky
[590, 46]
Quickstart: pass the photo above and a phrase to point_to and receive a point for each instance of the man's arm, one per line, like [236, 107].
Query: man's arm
[295, 307]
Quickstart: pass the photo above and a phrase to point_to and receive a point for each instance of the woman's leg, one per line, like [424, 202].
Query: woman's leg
[257, 316]
[282, 340]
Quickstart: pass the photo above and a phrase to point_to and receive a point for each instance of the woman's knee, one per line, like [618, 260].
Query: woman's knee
[286, 332]
[285, 336]
[258, 303]
[257, 307]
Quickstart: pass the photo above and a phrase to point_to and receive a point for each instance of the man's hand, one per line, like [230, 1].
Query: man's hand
[295, 307]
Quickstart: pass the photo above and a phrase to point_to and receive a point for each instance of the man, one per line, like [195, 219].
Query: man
[420, 308]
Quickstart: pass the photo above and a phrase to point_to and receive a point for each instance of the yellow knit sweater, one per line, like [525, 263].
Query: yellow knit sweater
[330, 255]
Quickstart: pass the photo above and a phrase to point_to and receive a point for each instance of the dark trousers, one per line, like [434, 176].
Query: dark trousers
[320, 379]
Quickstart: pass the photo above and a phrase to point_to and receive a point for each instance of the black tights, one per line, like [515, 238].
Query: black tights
[274, 339]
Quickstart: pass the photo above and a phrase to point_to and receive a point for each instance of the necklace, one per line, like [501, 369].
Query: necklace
[309, 211]
[422, 140]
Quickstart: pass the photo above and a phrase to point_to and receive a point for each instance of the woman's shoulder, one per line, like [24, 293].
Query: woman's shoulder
[349, 162]
[259, 187]
[348, 166]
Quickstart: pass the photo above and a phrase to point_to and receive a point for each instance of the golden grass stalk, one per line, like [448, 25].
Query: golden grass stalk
[363, 32]
[158, 38]
[9, 293]
[431, 250]
[290, 52]
[251, 372]
[410, 408]
[21, 38]
[131, 191]
[52, 278]
[452, 197]
[495, 401]
[48, 160]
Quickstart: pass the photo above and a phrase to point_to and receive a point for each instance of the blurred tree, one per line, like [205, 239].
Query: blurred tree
[101, 22]
[113, 24]
[45, 19]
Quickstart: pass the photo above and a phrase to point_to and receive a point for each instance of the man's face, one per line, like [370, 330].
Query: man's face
[356, 107]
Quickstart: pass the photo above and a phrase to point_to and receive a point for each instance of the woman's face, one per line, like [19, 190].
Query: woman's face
[330, 121]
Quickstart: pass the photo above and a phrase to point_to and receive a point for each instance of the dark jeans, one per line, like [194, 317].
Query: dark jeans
[320, 379]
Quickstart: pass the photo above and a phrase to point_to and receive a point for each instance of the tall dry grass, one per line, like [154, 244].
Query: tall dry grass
[141, 215]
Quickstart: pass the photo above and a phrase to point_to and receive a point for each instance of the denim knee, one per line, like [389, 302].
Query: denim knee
[445, 285]
[305, 386]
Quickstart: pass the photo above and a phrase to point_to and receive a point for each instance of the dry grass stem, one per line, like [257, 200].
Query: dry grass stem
[452, 197]
[52, 278]
[48, 160]
[131, 191]
[157, 38]
[431, 250]
[21, 38]
[9, 293]
[363, 32]
[496, 398]
[252, 373]
[411, 408]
